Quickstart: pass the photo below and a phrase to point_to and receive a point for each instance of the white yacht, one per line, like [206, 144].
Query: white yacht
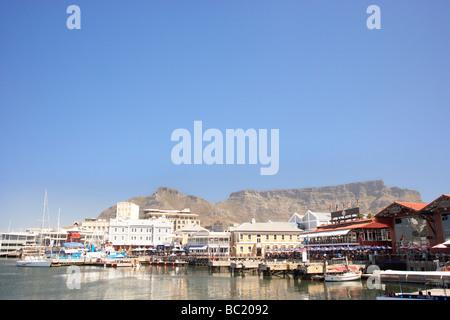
[34, 261]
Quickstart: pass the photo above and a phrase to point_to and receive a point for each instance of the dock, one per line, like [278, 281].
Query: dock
[431, 277]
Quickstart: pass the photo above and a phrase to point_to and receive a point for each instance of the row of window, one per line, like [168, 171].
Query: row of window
[268, 248]
[135, 238]
[275, 237]
[141, 230]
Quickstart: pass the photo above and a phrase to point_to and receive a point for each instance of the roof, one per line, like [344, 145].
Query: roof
[412, 205]
[441, 204]
[401, 209]
[367, 224]
[267, 226]
[319, 215]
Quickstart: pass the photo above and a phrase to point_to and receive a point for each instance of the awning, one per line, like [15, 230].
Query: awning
[326, 233]
[197, 247]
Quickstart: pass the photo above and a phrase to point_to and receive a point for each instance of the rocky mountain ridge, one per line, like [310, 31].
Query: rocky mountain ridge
[276, 205]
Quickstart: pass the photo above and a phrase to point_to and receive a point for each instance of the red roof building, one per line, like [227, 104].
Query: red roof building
[349, 235]
[417, 224]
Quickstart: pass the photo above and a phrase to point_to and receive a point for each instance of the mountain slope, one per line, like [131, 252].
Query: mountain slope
[276, 205]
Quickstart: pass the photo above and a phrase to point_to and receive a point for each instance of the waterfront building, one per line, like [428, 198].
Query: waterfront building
[133, 233]
[311, 220]
[207, 242]
[348, 235]
[96, 225]
[179, 218]
[12, 242]
[127, 209]
[258, 238]
[417, 225]
[182, 235]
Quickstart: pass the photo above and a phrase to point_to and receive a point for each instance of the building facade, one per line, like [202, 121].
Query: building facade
[348, 235]
[179, 218]
[422, 225]
[96, 225]
[255, 239]
[12, 242]
[133, 233]
[127, 210]
[311, 220]
[210, 243]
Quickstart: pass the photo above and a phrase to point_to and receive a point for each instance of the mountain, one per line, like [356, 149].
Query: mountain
[275, 205]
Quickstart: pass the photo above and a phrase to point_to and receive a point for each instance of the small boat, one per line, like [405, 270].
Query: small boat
[34, 261]
[345, 276]
[433, 294]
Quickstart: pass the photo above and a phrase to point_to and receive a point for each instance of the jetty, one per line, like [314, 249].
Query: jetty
[431, 277]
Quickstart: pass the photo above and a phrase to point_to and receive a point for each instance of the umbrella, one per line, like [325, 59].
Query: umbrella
[439, 246]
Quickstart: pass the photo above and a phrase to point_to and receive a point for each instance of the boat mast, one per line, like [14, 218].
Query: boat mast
[43, 219]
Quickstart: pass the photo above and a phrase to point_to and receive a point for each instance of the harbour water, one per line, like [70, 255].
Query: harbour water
[168, 283]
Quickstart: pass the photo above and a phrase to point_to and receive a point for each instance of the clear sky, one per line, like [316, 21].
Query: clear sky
[88, 114]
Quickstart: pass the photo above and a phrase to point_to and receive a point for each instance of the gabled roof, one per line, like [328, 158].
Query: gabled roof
[412, 205]
[441, 204]
[361, 224]
[401, 209]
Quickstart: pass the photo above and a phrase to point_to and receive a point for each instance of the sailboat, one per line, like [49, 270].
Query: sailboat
[37, 260]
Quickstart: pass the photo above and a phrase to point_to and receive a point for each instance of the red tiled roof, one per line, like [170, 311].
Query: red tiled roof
[370, 224]
[413, 205]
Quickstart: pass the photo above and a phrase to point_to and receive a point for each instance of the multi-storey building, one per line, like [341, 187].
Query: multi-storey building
[12, 242]
[207, 242]
[96, 225]
[127, 210]
[179, 218]
[140, 232]
[259, 238]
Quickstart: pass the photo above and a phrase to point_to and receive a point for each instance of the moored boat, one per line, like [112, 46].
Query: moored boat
[34, 261]
[345, 276]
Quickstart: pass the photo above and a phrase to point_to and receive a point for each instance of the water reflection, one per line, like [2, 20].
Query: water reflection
[168, 283]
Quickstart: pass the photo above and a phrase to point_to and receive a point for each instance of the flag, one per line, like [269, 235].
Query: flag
[357, 202]
[330, 207]
[348, 204]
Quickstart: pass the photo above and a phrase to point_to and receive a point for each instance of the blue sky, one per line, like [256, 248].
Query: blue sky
[88, 114]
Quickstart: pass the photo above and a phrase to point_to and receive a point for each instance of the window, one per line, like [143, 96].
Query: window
[267, 237]
[241, 249]
[274, 237]
[282, 237]
[249, 237]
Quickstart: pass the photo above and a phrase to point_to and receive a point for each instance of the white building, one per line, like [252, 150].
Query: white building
[180, 218]
[127, 210]
[12, 242]
[311, 220]
[140, 232]
[96, 225]
[207, 242]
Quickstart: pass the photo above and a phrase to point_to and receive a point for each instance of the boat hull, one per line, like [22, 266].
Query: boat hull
[343, 277]
[39, 263]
